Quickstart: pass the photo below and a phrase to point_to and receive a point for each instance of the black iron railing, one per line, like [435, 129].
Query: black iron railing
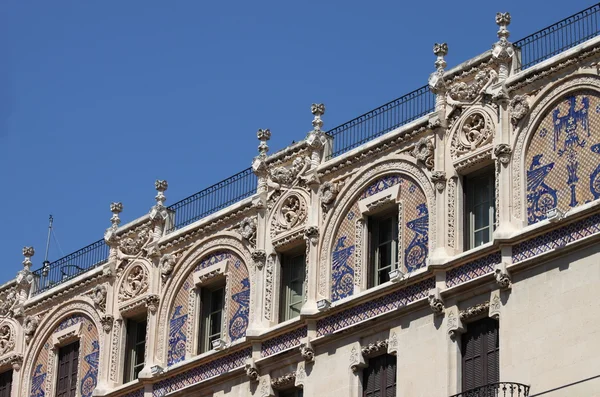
[559, 37]
[72, 265]
[381, 120]
[214, 198]
[500, 389]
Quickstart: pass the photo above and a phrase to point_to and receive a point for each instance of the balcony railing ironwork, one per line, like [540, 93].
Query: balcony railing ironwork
[214, 198]
[500, 389]
[381, 120]
[559, 37]
[70, 266]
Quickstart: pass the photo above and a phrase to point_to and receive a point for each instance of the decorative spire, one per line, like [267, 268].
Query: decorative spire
[160, 186]
[28, 252]
[503, 20]
[263, 136]
[440, 51]
[436, 79]
[116, 209]
[317, 109]
[503, 50]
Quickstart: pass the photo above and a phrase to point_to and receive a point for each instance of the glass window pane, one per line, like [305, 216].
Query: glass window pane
[482, 216]
[217, 300]
[481, 237]
[385, 255]
[215, 323]
[385, 230]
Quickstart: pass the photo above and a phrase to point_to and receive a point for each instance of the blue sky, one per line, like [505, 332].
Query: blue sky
[100, 98]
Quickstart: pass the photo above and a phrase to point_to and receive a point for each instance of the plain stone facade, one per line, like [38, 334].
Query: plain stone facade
[537, 129]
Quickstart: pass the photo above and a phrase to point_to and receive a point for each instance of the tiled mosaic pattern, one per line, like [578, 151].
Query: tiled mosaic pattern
[283, 342]
[136, 393]
[239, 305]
[413, 235]
[474, 269]
[556, 238]
[378, 306]
[89, 349]
[205, 371]
[563, 156]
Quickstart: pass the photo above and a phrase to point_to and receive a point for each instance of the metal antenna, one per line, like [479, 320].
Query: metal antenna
[46, 262]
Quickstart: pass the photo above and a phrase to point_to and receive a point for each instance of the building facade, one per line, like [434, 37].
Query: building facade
[445, 243]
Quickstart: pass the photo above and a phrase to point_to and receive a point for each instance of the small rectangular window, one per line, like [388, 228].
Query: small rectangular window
[293, 278]
[135, 349]
[6, 384]
[383, 232]
[379, 378]
[68, 363]
[213, 300]
[480, 208]
[480, 349]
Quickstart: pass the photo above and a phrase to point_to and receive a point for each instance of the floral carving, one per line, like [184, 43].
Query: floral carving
[247, 230]
[518, 108]
[7, 301]
[474, 311]
[132, 243]
[375, 348]
[166, 264]
[99, 297]
[284, 381]
[30, 326]
[292, 213]
[423, 151]
[327, 192]
[476, 130]
[502, 152]
[7, 342]
[134, 284]
[288, 176]
[439, 179]
[107, 322]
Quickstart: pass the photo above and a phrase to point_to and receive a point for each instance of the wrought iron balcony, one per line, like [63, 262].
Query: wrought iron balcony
[500, 389]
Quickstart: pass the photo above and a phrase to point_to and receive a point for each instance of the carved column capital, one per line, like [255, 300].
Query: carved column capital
[107, 322]
[503, 152]
[152, 303]
[439, 180]
[259, 257]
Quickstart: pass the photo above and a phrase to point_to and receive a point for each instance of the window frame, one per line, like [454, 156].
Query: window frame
[470, 217]
[70, 354]
[384, 362]
[286, 278]
[132, 342]
[6, 379]
[478, 327]
[373, 230]
[205, 315]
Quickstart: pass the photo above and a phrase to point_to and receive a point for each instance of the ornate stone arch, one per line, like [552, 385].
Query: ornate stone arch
[400, 163]
[525, 129]
[81, 305]
[223, 241]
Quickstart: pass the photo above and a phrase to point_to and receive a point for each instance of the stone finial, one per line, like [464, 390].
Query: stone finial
[440, 50]
[436, 79]
[263, 136]
[28, 252]
[161, 186]
[502, 50]
[317, 109]
[116, 209]
[503, 20]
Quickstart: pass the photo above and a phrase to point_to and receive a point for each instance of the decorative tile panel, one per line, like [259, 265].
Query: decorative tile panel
[473, 269]
[381, 305]
[556, 238]
[283, 342]
[237, 306]
[413, 236]
[135, 393]
[90, 379]
[563, 156]
[201, 373]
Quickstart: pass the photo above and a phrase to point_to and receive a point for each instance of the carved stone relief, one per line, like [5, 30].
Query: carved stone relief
[7, 339]
[475, 131]
[135, 283]
[131, 244]
[423, 151]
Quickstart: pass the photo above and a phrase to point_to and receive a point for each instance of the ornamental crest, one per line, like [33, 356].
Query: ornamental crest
[475, 131]
[135, 283]
[291, 214]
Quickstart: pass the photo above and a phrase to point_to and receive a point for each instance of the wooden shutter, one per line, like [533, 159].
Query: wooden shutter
[379, 378]
[68, 363]
[480, 354]
[5, 383]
